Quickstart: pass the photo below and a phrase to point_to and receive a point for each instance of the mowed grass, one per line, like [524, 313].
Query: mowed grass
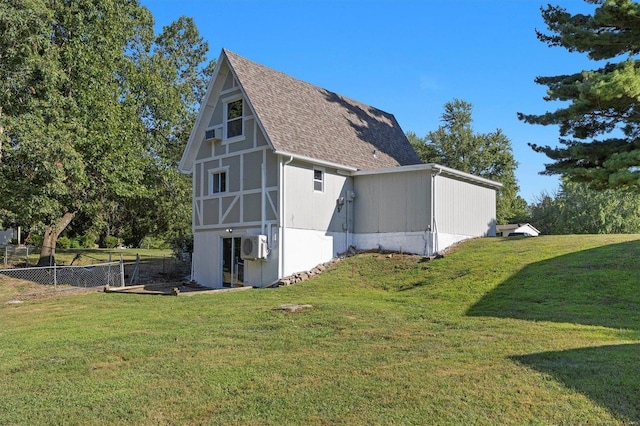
[509, 331]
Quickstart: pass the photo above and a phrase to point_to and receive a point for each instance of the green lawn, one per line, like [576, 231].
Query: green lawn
[508, 331]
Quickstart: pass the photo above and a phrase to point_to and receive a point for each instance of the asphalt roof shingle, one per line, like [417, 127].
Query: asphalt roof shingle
[302, 119]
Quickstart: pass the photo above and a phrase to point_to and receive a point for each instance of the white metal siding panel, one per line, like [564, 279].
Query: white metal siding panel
[418, 190]
[463, 208]
[309, 209]
[393, 202]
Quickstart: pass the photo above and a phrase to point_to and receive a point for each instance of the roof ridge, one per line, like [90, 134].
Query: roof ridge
[310, 121]
[299, 80]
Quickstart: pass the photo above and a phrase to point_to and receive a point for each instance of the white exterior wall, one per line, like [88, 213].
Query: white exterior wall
[463, 209]
[305, 249]
[308, 209]
[393, 203]
[314, 230]
[207, 259]
[404, 242]
[420, 209]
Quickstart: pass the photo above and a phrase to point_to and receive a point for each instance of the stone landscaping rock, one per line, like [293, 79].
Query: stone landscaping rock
[290, 307]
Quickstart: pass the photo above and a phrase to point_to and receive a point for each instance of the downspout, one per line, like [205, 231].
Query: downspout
[263, 209]
[282, 220]
[346, 213]
[434, 224]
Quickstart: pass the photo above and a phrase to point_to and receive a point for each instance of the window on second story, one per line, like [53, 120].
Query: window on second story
[318, 180]
[217, 182]
[234, 114]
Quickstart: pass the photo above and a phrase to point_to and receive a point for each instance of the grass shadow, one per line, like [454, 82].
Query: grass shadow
[599, 286]
[608, 375]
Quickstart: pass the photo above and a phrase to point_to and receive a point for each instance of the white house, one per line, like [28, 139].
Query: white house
[286, 175]
[524, 229]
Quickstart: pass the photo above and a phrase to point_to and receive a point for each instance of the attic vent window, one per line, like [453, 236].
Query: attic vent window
[234, 118]
[318, 180]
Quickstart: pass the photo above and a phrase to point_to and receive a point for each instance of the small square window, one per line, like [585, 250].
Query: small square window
[218, 182]
[318, 180]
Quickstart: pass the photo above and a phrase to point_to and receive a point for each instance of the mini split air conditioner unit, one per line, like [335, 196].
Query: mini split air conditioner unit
[254, 247]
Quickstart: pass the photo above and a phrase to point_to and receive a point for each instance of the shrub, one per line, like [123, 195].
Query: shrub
[88, 241]
[150, 242]
[63, 242]
[182, 244]
[75, 244]
[111, 242]
[34, 240]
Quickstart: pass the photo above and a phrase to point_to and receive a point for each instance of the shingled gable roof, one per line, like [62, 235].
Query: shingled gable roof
[310, 122]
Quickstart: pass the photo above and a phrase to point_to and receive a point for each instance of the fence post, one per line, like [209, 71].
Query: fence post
[27, 257]
[136, 271]
[6, 255]
[121, 271]
[55, 277]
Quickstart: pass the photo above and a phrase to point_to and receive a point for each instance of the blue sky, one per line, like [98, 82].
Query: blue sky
[406, 57]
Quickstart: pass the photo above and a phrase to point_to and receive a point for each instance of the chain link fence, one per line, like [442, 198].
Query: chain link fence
[84, 269]
[147, 269]
[12, 254]
[111, 274]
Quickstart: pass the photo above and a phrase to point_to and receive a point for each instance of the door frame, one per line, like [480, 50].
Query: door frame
[237, 263]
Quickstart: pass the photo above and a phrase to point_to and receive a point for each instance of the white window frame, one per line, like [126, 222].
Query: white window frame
[218, 172]
[319, 181]
[225, 118]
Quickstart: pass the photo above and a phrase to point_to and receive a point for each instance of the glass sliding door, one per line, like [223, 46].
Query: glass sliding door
[232, 264]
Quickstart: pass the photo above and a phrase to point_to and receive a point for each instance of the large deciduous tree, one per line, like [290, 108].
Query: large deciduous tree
[94, 109]
[600, 126]
[489, 155]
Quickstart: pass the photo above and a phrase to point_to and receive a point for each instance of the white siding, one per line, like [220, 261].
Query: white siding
[206, 259]
[393, 202]
[305, 249]
[313, 210]
[463, 208]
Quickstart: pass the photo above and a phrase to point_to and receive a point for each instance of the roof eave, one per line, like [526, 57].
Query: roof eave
[316, 161]
[468, 177]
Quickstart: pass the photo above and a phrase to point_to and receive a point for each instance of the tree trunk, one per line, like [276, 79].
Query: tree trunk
[1, 133]
[48, 253]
